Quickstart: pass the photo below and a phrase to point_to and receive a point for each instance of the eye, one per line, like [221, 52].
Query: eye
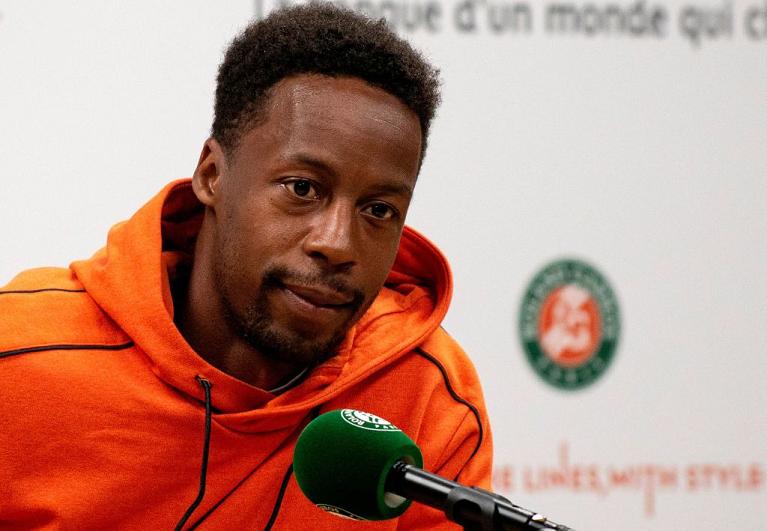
[380, 211]
[302, 188]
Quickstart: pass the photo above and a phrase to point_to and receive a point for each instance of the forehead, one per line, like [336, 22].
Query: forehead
[344, 118]
[341, 98]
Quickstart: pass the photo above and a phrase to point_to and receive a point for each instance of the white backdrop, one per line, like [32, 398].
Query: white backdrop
[641, 153]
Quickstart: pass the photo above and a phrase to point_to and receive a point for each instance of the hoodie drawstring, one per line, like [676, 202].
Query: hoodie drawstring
[206, 385]
[283, 487]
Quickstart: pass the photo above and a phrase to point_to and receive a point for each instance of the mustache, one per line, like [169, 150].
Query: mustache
[276, 277]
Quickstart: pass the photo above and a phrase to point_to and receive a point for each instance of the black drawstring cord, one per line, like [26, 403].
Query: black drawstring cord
[284, 486]
[280, 494]
[206, 385]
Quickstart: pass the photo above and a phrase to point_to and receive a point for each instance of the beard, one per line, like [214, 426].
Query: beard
[257, 327]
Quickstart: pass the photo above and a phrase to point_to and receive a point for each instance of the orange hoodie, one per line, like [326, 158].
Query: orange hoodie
[103, 405]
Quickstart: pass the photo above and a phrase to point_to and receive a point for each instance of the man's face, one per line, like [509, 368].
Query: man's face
[309, 211]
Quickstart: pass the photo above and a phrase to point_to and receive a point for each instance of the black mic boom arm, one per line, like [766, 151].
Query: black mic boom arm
[471, 507]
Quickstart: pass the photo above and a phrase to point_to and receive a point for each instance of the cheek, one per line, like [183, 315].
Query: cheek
[379, 262]
[239, 255]
[258, 232]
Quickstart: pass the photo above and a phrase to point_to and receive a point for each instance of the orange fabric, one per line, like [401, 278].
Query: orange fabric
[103, 418]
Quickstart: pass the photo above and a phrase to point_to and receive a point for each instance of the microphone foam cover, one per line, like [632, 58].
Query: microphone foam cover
[341, 461]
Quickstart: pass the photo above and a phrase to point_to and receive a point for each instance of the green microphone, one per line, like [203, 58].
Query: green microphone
[342, 460]
[360, 466]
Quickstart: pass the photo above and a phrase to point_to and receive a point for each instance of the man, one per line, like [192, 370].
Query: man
[163, 382]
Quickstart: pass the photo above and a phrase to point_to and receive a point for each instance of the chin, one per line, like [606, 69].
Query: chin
[294, 347]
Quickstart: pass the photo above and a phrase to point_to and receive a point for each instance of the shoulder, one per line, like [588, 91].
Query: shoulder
[47, 308]
[433, 393]
[455, 366]
[462, 393]
[43, 279]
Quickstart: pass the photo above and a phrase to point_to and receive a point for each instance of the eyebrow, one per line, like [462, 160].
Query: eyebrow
[313, 162]
[394, 189]
[382, 188]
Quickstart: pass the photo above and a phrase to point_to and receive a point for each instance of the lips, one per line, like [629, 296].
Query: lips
[320, 296]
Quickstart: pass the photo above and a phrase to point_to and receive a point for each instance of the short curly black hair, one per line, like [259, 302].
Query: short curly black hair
[317, 38]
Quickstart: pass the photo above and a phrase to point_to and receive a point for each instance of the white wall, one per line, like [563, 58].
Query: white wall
[644, 156]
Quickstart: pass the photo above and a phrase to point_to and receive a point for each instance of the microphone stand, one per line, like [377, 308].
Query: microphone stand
[471, 507]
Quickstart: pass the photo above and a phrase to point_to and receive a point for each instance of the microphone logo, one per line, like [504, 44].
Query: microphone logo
[338, 511]
[367, 421]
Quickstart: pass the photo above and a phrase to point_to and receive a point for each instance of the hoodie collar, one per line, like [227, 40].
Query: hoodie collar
[130, 279]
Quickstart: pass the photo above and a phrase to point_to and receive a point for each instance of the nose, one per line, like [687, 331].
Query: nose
[331, 236]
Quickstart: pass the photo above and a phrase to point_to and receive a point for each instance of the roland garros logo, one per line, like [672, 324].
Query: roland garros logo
[367, 421]
[569, 324]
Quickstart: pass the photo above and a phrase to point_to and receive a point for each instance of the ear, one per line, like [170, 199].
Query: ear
[207, 175]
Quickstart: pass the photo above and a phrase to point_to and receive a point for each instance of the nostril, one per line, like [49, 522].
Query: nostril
[336, 247]
[329, 265]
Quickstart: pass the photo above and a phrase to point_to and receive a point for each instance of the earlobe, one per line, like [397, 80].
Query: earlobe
[207, 175]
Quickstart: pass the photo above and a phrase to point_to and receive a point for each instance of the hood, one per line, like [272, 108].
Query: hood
[130, 280]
